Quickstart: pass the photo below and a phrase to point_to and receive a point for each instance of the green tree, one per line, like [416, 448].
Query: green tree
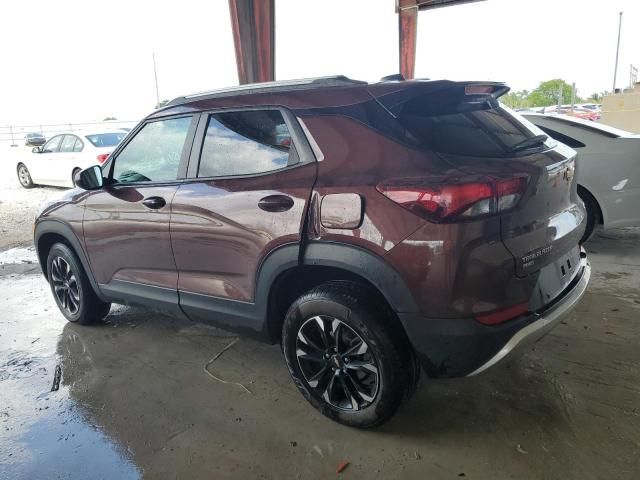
[518, 99]
[162, 103]
[596, 97]
[547, 93]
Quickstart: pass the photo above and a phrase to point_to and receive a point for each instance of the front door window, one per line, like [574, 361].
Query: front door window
[153, 155]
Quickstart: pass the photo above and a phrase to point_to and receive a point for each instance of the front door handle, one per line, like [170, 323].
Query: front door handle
[276, 203]
[154, 203]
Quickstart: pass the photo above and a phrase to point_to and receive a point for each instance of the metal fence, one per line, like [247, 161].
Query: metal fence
[14, 134]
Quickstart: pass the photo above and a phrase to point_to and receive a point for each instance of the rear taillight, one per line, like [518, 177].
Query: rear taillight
[459, 200]
[500, 316]
[102, 157]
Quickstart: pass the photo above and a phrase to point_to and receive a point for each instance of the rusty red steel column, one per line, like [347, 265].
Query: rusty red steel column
[253, 25]
[407, 33]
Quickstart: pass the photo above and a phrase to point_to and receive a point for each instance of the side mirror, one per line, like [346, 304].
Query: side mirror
[36, 150]
[89, 178]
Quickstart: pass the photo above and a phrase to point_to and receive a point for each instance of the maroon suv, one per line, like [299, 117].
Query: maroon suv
[373, 229]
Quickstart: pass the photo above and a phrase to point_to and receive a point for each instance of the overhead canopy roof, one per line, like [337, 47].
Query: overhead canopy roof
[253, 26]
[429, 4]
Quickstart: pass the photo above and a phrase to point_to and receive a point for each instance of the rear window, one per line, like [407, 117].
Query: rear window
[452, 121]
[110, 139]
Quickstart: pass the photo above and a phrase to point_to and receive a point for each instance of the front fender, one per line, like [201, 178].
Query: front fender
[49, 231]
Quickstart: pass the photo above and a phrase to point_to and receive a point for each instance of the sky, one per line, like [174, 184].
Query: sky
[73, 60]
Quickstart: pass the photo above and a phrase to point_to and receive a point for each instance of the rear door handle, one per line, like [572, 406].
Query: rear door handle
[154, 203]
[276, 203]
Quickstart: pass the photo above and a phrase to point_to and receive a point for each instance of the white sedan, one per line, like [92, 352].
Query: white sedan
[58, 160]
[608, 168]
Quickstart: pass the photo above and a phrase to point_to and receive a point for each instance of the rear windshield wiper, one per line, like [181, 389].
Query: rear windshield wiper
[528, 143]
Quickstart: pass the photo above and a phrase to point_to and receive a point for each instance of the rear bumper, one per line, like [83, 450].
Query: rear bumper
[465, 347]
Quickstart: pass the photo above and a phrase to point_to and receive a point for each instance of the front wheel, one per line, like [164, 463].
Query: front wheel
[347, 355]
[71, 288]
[24, 176]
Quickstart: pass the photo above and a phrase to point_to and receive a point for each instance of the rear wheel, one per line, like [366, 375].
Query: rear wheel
[347, 356]
[73, 176]
[71, 288]
[24, 176]
[593, 214]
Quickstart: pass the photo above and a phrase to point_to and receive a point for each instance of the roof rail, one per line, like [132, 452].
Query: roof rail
[281, 85]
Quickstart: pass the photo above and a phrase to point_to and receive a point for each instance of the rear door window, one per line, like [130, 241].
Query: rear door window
[246, 143]
[68, 143]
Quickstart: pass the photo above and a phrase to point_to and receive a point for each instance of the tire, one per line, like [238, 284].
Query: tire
[71, 288]
[24, 177]
[593, 214]
[342, 383]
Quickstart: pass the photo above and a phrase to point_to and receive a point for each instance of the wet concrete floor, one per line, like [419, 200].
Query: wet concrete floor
[134, 399]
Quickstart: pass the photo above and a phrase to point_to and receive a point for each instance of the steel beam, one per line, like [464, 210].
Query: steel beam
[253, 25]
[407, 30]
[408, 27]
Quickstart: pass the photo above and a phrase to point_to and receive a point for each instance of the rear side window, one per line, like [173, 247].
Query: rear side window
[246, 143]
[153, 154]
[78, 146]
[452, 121]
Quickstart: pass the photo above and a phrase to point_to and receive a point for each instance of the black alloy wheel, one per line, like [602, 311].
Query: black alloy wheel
[337, 363]
[65, 286]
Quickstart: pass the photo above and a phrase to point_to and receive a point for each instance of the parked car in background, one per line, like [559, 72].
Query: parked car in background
[577, 111]
[58, 160]
[582, 113]
[34, 139]
[596, 107]
[371, 229]
[608, 168]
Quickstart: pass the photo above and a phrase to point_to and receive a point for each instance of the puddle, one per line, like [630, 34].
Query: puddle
[45, 433]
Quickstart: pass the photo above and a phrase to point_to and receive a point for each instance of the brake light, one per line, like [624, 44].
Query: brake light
[445, 202]
[102, 157]
[478, 90]
[501, 316]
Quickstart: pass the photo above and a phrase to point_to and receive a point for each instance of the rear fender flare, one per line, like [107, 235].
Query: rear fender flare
[349, 258]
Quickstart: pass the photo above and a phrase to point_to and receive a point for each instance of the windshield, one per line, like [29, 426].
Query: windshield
[110, 139]
[451, 120]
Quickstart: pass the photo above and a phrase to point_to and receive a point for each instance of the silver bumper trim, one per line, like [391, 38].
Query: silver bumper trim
[535, 330]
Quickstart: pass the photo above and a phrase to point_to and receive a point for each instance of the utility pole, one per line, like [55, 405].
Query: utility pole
[573, 96]
[155, 75]
[560, 88]
[615, 71]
